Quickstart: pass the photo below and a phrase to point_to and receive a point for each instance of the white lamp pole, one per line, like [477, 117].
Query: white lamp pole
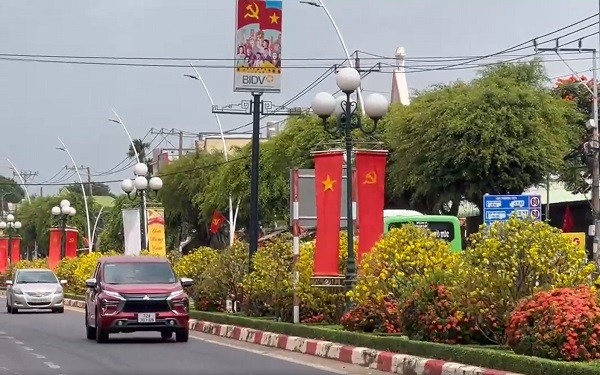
[20, 179]
[232, 216]
[137, 157]
[140, 187]
[321, 4]
[85, 201]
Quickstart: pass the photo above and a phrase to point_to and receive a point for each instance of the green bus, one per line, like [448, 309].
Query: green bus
[445, 227]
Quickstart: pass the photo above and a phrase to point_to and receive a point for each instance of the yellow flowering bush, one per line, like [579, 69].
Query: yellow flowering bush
[512, 260]
[269, 286]
[224, 278]
[320, 304]
[400, 255]
[195, 265]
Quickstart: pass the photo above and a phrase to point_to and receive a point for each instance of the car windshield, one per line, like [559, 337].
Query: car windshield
[36, 277]
[139, 273]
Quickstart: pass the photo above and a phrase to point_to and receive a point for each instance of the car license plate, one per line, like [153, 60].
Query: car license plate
[37, 299]
[146, 318]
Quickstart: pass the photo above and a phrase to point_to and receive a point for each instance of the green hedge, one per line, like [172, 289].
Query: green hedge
[469, 355]
[489, 358]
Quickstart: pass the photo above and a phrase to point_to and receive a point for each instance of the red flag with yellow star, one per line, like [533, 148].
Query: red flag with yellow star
[328, 188]
[370, 194]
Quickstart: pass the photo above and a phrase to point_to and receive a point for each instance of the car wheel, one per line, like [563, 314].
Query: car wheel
[8, 308]
[182, 335]
[89, 331]
[166, 335]
[101, 335]
[14, 310]
[59, 310]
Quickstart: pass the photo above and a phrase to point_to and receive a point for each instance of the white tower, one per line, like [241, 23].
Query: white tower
[399, 85]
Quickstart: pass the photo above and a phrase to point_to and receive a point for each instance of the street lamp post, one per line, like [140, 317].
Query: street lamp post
[11, 226]
[344, 109]
[138, 188]
[63, 213]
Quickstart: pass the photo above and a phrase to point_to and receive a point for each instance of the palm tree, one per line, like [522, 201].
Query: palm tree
[142, 148]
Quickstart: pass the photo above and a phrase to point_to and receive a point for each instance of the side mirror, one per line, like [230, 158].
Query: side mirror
[9, 282]
[63, 282]
[186, 282]
[91, 283]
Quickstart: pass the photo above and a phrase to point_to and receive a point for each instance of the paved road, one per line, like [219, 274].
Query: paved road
[55, 344]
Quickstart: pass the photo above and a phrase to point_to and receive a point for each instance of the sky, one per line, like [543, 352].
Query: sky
[41, 101]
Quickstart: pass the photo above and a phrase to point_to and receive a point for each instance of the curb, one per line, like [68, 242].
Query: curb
[383, 361]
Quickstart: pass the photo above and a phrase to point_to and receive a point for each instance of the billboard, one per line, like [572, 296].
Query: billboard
[258, 46]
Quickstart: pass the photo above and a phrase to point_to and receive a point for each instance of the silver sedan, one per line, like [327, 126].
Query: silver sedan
[33, 289]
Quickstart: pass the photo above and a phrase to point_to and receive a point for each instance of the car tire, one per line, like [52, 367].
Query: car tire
[166, 335]
[8, 308]
[182, 335]
[90, 332]
[59, 310]
[101, 335]
[14, 310]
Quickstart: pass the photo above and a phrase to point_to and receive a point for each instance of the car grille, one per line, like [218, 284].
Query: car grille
[146, 306]
[38, 294]
[146, 303]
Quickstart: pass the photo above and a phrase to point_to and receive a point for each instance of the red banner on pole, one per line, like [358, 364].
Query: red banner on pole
[72, 241]
[3, 254]
[328, 188]
[54, 247]
[370, 184]
[15, 250]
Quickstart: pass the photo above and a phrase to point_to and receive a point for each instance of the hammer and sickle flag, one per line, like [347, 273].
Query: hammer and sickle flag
[370, 196]
[216, 222]
[252, 11]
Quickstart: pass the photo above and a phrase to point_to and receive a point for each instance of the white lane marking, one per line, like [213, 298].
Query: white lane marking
[9, 337]
[19, 342]
[28, 348]
[51, 365]
[2, 333]
[39, 356]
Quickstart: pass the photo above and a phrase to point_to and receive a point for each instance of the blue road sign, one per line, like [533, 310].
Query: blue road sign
[502, 207]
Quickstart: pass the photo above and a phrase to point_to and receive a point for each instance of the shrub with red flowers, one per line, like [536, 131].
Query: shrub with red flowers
[562, 324]
[373, 317]
[431, 314]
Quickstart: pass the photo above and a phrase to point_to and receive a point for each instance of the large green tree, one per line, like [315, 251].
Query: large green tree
[37, 219]
[500, 134]
[10, 192]
[98, 189]
[577, 171]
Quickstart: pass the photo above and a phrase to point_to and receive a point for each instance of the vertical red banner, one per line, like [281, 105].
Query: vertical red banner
[370, 186]
[328, 189]
[54, 247]
[15, 250]
[72, 241]
[3, 254]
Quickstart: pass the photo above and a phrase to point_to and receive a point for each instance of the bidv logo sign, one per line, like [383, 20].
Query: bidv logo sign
[255, 80]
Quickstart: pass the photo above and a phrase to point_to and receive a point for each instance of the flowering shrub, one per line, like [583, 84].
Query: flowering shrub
[380, 316]
[195, 265]
[562, 324]
[224, 278]
[401, 254]
[269, 287]
[432, 313]
[517, 258]
[77, 270]
[320, 304]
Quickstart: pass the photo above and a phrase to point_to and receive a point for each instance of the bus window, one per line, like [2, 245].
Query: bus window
[446, 228]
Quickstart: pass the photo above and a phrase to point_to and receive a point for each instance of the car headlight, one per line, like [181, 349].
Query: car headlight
[17, 291]
[58, 290]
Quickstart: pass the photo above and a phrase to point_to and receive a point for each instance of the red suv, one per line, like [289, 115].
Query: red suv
[130, 293]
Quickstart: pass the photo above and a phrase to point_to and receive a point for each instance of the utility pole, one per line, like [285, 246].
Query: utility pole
[26, 175]
[180, 144]
[593, 124]
[89, 177]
